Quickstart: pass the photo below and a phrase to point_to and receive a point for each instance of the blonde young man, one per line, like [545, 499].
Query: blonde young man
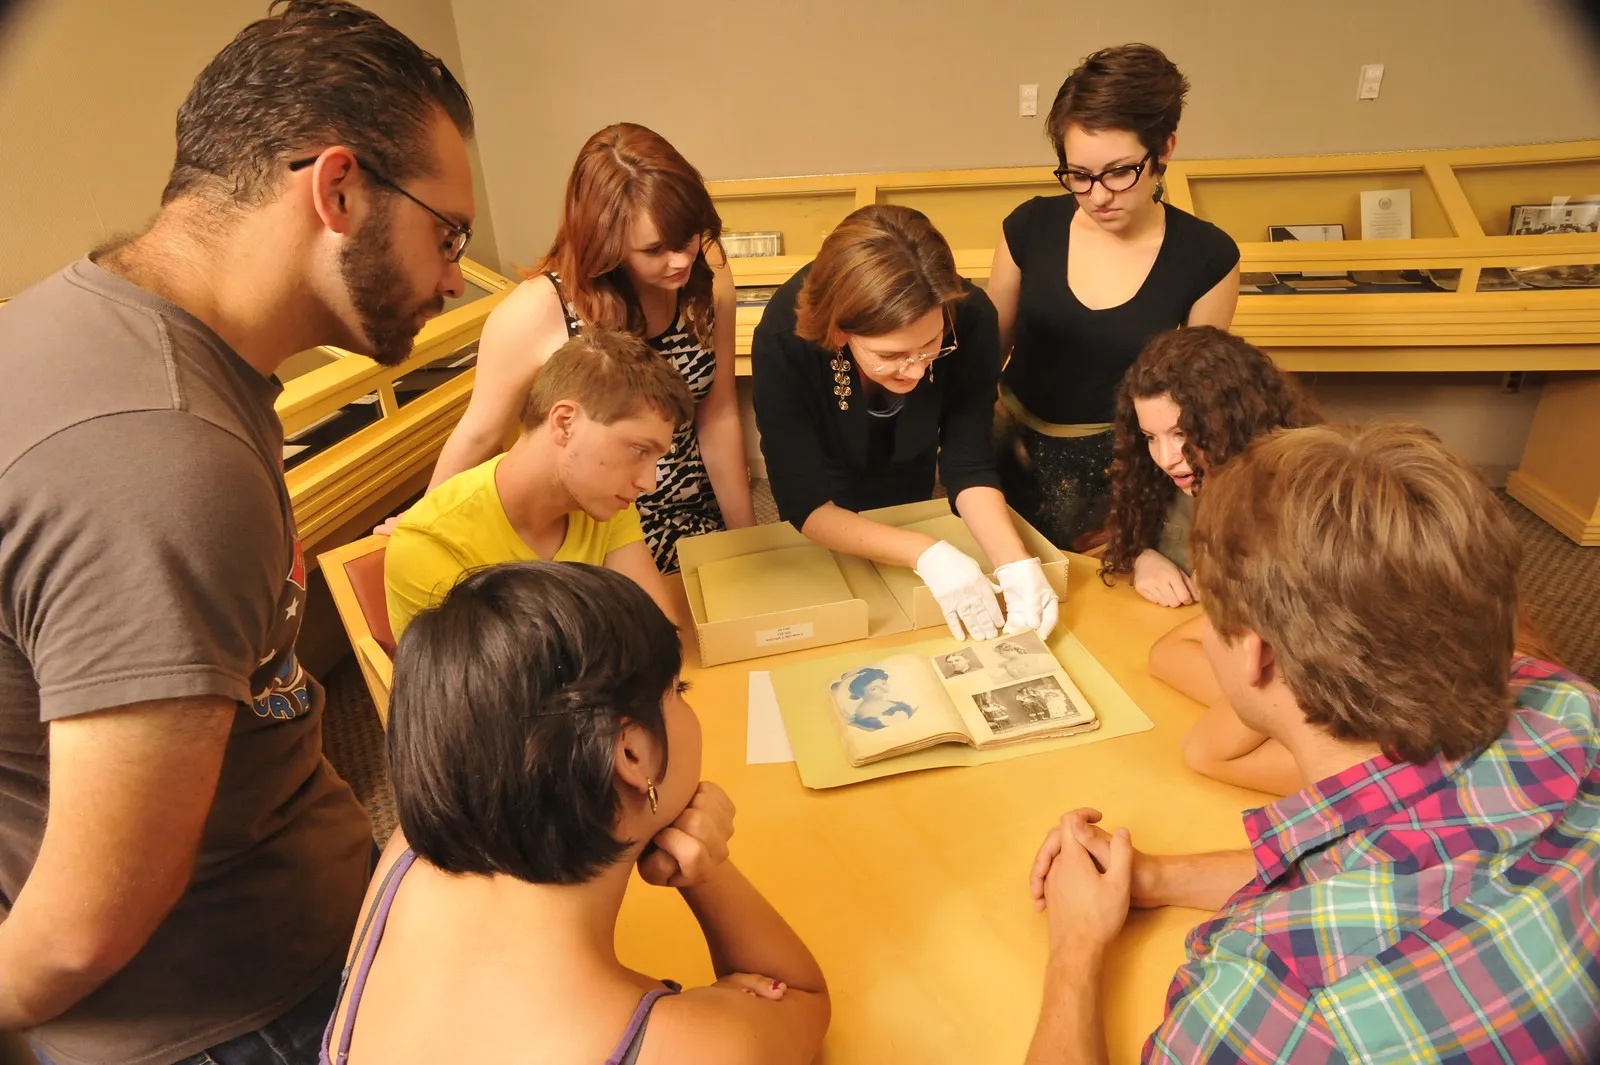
[1433, 896]
[601, 413]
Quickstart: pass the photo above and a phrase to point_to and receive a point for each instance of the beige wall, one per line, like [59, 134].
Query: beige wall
[759, 88]
[88, 90]
[88, 93]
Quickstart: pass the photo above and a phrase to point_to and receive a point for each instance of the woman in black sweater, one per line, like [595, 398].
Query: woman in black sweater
[874, 369]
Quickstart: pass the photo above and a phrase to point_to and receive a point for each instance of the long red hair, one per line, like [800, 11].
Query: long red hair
[622, 170]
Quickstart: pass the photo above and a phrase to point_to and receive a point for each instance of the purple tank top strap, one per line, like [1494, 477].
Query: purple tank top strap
[641, 1016]
[355, 979]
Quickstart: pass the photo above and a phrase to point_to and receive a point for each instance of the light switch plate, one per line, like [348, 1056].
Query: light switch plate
[1371, 81]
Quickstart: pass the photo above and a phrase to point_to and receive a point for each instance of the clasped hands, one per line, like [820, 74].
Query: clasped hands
[1086, 878]
[967, 597]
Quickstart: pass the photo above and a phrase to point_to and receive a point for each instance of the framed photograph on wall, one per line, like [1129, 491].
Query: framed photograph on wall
[1277, 233]
[1535, 218]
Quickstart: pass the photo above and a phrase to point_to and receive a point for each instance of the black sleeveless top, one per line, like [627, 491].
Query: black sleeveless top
[817, 453]
[1067, 360]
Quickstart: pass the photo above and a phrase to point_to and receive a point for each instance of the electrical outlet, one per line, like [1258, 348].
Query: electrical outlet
[1371, 81]
[1027, 100]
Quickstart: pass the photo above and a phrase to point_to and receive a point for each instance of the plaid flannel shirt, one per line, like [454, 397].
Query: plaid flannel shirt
[1447, 912]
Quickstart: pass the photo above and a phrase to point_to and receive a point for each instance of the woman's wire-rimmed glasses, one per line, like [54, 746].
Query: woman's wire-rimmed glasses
[886, 363]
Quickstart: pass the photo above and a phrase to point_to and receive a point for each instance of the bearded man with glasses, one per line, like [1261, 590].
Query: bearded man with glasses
[180, 868]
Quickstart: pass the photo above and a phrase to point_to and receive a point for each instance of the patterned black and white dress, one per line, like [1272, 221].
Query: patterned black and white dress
[683, 503]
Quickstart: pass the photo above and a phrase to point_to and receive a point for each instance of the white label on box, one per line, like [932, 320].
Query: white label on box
[785, 634]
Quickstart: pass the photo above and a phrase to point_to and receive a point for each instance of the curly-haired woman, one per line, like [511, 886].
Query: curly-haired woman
[1193, 399]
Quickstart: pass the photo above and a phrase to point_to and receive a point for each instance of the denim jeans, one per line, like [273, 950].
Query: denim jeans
[293, 1039]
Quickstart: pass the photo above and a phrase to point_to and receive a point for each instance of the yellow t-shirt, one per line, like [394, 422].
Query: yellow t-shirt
[462, 526]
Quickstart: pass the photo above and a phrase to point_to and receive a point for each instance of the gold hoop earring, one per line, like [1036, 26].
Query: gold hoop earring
[841, 378]
[650, 793]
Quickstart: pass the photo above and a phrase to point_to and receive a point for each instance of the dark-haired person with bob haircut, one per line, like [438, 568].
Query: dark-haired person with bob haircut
[1433, 892]
[874, 369]
[540, 749]
[180, 868]
[1082, 282]
[636, 251]
[1192, 400]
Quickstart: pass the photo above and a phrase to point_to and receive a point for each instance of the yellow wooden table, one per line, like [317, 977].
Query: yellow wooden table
[912, 890]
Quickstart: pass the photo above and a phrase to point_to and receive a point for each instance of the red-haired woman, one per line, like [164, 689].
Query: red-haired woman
[1082, 282]
[637, 251]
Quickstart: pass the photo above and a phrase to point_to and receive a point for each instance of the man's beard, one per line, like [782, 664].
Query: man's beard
[379, 291]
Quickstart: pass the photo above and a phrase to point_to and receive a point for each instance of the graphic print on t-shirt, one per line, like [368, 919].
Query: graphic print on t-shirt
[281, 686]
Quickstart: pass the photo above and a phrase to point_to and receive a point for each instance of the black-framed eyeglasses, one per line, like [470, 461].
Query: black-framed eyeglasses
[460, 235]
[1117, 179]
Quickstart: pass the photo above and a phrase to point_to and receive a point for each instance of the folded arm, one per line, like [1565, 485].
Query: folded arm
[721, 1025]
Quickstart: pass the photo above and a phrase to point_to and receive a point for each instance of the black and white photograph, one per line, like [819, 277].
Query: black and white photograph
[958, 663]
[1020, 705]
[1326, 232]
[1019, 657]
[1540, 218]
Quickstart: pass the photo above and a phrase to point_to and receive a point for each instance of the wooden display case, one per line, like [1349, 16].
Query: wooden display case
[361, 438]
[1458, 316]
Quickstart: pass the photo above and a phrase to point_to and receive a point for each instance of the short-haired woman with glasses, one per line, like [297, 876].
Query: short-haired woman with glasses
[1082, 282]
[875, 368]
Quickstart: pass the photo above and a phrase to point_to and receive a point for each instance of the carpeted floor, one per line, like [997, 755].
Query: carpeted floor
[1560, 584]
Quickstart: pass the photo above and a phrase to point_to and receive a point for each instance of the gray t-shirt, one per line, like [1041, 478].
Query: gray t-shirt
[148, 551]
[1175, 531]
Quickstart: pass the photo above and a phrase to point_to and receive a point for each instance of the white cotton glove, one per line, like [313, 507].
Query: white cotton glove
[965, 595]
[1030, 601]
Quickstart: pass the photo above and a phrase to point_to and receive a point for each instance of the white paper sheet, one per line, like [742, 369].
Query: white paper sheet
[765, 741]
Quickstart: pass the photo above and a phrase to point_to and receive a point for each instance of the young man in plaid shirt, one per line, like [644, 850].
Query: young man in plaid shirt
[1435, 896]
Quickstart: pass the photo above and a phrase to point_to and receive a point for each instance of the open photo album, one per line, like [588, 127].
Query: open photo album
[985, 694]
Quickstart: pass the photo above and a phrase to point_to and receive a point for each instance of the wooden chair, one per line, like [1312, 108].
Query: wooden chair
[355, 578]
